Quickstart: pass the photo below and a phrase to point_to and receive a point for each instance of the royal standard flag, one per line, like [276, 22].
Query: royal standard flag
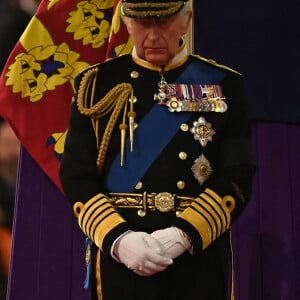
[37, 83]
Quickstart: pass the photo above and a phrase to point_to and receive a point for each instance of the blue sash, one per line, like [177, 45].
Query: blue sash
[154, 132]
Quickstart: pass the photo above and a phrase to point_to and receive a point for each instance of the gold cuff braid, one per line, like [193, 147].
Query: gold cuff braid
[210, 215]
[96, 218]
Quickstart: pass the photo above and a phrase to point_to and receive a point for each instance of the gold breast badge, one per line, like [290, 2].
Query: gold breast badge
[202, 131]
[202, 169]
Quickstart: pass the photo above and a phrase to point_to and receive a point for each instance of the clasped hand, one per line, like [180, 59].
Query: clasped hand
[147, 254]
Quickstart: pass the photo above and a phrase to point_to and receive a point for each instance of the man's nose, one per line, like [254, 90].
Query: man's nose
[154, 32]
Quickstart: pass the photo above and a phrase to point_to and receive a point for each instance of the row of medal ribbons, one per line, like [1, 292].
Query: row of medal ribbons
[192, 97]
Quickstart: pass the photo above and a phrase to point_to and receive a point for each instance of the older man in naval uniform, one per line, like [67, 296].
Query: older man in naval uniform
[158, 163]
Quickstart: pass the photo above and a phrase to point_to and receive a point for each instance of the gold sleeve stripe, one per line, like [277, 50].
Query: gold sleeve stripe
[210, 215]
[97, 217]
[92, 204]
[95, 226]
[209, 218]
[214, 199]
[95, 209]
[93, 212]
[200, 223]
[106, 226]
[214, 216]
[221, 214]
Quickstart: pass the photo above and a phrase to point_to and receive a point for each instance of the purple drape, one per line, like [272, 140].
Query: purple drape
[266, 237]
[48, 256]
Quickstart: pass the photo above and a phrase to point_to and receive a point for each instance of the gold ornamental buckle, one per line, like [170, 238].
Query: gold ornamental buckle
[164, 202]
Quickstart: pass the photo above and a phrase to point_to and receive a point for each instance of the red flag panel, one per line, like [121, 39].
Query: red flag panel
[37, 82]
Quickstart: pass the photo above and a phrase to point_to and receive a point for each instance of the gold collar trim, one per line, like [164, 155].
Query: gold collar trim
[180, 58]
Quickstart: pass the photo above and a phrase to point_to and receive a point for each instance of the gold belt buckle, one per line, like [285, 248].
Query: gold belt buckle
[164, 202]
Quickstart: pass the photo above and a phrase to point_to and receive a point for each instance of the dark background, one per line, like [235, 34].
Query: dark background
[260, 40]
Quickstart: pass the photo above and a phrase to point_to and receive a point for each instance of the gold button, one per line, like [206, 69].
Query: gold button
[134, 74]
[184, 127]
[182, 155]
[180, 185]
[141, 213]
[139, 185]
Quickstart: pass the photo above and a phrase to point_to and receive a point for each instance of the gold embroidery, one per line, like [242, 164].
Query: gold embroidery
[210, 215]
[214, 63]
[97, 218]
[149, 9]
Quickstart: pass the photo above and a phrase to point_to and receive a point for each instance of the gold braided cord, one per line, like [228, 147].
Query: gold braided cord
[102, 107]
[94, 122]
[121, 93]
[113, 102]
[162, 9]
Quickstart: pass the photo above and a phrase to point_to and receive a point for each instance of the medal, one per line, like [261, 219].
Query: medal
[202, 169]
[202, 131]
[163, 90]
[190, 97]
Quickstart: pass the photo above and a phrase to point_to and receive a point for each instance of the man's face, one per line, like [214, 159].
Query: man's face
[156, 40]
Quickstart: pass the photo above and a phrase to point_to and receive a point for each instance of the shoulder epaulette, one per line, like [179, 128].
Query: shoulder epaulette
[99, 64]
[86, 72]
[96, 65]
[214, 63]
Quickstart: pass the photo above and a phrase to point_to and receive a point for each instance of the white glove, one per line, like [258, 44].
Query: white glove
[173, 240]
[140, 252]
